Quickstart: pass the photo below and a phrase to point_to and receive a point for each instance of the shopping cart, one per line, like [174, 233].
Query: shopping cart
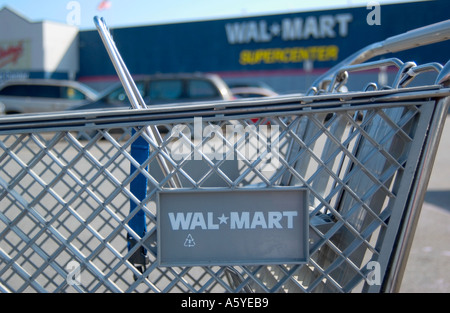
[94, 215]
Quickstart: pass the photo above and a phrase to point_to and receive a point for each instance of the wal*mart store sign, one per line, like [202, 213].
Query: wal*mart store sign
[233, 227]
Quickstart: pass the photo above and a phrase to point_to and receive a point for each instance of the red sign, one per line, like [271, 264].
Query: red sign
[11, 54]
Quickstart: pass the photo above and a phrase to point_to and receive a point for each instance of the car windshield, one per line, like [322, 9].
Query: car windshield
[166, 90]
[72, 93]
[201, 89]
[118, 94]
[90, 92]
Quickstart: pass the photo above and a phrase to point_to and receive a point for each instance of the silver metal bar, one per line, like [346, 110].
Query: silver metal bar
[124, 75]
[411, 218]
[412, 39]
[131, 90]
[360, 67]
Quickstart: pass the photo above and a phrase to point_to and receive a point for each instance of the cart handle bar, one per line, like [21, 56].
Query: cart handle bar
[412, 39]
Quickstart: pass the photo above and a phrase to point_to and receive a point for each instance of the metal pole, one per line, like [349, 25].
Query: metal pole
[132, 92]
[412, 39]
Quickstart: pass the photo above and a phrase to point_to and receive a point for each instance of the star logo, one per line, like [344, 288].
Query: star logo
[223, 219]
[275, 29]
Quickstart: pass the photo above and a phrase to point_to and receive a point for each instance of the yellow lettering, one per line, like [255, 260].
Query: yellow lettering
[244, 57]
[289, 55]
[292, 55]
[303, 54]
[332, 53]
[321, 56]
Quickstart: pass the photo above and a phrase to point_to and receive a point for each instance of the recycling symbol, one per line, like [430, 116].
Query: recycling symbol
[189, 242]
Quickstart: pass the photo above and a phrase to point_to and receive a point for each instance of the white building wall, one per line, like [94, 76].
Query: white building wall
[43, 47]
[60, 48]
[16, 31]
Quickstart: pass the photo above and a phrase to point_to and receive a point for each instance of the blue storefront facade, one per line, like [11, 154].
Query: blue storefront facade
[286, 51]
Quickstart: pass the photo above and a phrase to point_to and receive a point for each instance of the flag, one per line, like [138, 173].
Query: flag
[104, 5]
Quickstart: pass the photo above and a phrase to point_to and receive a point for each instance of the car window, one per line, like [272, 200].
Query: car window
[202, 89]
[15, 90]
[72, 93]
[165, 90]
[37, 91]
[119, 95]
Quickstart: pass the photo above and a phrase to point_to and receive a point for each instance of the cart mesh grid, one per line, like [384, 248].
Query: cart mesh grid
[65, 188]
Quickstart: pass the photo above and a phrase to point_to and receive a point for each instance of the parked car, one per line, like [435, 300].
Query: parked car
[252, 92]
[248, 84]
[162, 89]
[44, 95]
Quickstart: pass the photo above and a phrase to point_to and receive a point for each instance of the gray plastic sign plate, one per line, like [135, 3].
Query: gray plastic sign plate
[225, 227]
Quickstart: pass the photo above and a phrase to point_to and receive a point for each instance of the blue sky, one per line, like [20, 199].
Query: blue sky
[145, 12]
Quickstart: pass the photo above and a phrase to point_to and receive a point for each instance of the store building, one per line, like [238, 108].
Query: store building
[37, 49]
[284, 51]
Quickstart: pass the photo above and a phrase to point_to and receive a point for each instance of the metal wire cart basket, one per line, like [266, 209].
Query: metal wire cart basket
[303, 193]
